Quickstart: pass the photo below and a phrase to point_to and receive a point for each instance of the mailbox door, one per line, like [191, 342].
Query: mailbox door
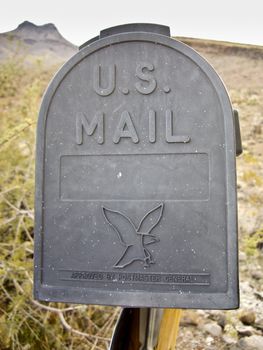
[135, 179]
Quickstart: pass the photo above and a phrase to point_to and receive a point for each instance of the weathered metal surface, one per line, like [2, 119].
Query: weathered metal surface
[136, 178]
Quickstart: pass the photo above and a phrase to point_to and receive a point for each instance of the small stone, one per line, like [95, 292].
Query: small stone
[257, 129]
[257, 275]
[245, 288]
[247, 317]
[213, 329]
[189, 318]
[243, 268]
[242, 256]
[255, 342]
[244, 331]
[201, 313]
[259, 296]
[219, 317]
[260, 245]
[259, 325]
[234, 347]
[209, 340]
[229, 340]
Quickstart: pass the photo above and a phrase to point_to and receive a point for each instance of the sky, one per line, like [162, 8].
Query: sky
[79, 20]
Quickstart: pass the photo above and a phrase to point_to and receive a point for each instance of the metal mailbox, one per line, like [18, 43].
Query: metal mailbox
[136, 178]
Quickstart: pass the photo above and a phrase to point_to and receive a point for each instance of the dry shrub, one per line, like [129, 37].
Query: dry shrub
[25, 323]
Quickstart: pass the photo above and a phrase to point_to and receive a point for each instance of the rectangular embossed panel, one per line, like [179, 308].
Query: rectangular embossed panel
[82, 178]
[135, 179]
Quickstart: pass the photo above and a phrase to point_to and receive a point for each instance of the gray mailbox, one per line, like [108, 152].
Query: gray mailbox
[136, 177]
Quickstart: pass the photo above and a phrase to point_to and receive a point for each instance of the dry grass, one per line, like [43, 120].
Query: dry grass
[25, 323]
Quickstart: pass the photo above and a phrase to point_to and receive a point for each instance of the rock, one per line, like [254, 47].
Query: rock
[260, 245]
[243, 268]
[257, 129]
[245, 287]
[259, 325]
[257, 275]
[247, 317]
[201, 313]
[189, 318]
[229, 340]
[209, 340]
[214, 329]
[219, 317]
[247, 224]
[245, 331]
[259, 296]
[255, 342]
[242, 256]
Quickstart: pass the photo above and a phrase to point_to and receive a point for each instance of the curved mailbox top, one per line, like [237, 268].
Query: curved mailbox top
[135, 179]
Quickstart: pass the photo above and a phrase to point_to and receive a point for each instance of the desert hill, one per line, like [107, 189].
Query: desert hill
[239, 65]
[33, 41]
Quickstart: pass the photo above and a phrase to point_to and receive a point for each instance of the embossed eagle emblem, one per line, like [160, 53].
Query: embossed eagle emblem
[134, 240]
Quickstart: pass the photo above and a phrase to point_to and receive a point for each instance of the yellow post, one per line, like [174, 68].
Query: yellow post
[169, 329]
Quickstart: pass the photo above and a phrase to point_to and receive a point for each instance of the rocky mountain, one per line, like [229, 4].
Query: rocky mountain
[36, 42]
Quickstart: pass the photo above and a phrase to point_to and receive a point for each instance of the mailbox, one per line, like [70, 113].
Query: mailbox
[136, 177]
